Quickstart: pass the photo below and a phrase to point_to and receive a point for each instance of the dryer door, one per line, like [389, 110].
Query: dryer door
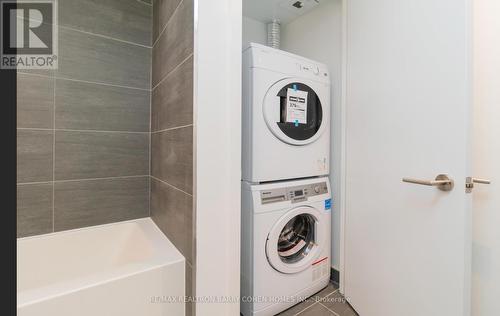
[295, 240]
[294, 111]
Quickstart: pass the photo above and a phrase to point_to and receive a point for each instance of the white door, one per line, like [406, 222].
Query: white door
[408, 81]
[486, 199]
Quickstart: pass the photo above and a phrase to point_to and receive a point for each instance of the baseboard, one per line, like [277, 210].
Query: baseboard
[334, 275]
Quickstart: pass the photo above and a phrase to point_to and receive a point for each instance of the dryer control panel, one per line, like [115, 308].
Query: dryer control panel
[313, 69]
[294, 194]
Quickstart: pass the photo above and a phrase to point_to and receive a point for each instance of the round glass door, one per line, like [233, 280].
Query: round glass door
[294, 242]
[294, 112]
[296, 238]
[314, 112]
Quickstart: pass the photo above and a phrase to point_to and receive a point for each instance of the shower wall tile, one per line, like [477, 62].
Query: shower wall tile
[90, 119]
[35, 101]
[44, 33]
[95, 202]
[84, 155]
[155, 21]
[88, 106]
[93, 58]
[172, 157]
[175, 44]
[164, 10]
[34, 155]
[171, 198]
[172, 99]
[171, 210]
[34, 209]
[127, 20]
[40, 72]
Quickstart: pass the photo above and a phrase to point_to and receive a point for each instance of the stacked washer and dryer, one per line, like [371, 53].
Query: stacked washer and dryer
[286, 201]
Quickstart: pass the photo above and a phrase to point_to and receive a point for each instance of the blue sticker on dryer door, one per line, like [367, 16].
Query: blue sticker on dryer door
[328, 204]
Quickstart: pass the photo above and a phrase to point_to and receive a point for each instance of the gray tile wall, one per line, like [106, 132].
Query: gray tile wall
[84, 129]
[172, 128]
[109, 135]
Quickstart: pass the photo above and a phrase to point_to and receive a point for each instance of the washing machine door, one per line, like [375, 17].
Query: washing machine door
[294, 111]
[295, 240]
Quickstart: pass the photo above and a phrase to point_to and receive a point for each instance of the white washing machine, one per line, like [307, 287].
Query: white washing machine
[286, 116]
[285, 244]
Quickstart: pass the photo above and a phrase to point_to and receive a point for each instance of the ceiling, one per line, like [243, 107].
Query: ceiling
[282, 10]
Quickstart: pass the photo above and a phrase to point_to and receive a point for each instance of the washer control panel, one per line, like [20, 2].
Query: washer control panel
[295, 194]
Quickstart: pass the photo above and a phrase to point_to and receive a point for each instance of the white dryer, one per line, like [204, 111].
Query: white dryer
[285, 244]
[286, 116]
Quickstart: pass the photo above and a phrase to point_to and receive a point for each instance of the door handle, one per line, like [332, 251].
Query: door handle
[470, 181]
[442, 182]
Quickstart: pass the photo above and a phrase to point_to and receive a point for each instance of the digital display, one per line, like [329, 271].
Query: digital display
[299, 193]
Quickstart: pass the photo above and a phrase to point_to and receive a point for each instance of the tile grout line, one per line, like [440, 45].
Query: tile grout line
[170, 185]
[103, 178]
[316, 302]
[319, 301]
[150, 108]
[90, 33]
[77, 130]
[173, 70]
[166, 24]
[34, 183]
[146, 3]
[335, 291]
[54, 155]
[83, 179]
[334, 313]
[172, 128]
[103, 36]
[83, 81]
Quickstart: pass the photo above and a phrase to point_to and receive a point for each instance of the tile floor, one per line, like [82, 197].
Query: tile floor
[328, 302]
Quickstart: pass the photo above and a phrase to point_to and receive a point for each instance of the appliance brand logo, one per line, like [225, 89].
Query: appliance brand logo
[29, 34]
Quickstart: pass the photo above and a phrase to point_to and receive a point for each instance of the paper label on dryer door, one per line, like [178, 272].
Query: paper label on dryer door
[296, 106]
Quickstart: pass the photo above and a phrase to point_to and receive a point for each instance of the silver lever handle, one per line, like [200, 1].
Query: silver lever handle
[469, 183]
[442, 182]
[481, 181]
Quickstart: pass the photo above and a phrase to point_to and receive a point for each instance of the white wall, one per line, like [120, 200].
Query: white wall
[318, 35]
[217, 152]
[254, 31]
[486, 154]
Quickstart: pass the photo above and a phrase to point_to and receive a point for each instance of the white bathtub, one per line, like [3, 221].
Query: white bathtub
[127, 268]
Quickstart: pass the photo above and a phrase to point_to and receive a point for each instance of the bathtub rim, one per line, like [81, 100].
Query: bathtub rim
[36, 295]
[81, 229]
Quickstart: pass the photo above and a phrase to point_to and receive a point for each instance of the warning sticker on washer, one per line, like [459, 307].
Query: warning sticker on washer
[320, 269]
[296, 106]
[328, 204]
